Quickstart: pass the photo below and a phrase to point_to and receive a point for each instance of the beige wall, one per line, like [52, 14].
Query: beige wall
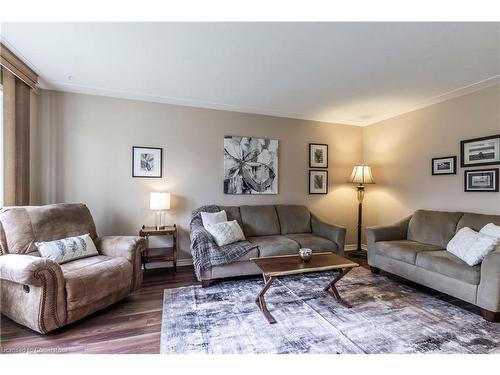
[83, 154]
[400, 152]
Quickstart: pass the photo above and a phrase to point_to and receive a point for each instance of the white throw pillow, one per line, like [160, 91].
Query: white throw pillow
[493, 231]
[471, 246]
[67, 249]
[226, 232]
[213, 217]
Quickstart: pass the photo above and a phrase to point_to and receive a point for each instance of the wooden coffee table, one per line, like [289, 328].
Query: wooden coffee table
[284, 265]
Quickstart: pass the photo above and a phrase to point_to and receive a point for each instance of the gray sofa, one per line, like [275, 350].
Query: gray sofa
[414, 248]
[276, 230]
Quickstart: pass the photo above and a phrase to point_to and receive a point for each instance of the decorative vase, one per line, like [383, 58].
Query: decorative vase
[305, 254]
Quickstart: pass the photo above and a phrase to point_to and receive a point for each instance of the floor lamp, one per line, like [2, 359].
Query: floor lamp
[361, 175]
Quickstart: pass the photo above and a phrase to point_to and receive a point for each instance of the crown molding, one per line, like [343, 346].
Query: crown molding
[461, 91]
[133, 95]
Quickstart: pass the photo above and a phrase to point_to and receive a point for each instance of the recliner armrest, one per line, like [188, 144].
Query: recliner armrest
[26, 269]
[335, 233]
[128, 247]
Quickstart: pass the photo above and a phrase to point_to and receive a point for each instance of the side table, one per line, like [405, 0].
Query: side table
[159, 254]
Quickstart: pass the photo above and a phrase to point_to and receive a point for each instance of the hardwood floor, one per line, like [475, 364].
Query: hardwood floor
[130, 326]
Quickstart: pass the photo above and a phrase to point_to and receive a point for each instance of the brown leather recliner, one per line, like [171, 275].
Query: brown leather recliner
[43, 295]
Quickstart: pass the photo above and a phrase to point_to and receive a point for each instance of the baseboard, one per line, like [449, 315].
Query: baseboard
[189, 262]
[352, 247]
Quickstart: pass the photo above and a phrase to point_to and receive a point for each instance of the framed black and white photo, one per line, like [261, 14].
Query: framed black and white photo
[147, 162]
[444, 165]
[480, 151]
[250, 165]
[318, 182]
[318, 155]
[481, 180]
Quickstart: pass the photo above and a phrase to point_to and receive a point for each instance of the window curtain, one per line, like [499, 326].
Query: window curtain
[16, 129]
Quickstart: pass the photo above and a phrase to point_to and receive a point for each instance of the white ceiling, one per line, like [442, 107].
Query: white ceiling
[353, 73]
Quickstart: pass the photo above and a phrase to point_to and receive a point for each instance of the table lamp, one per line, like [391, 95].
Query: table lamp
[159, 202]
[361, 175]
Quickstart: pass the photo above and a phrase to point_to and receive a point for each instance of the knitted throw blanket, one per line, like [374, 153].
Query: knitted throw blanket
[206, 253]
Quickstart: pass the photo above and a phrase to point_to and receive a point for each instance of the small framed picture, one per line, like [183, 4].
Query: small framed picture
[147, 162]
[318, 182]
[480, 151]
[318, 155]
[444, 165]
[481, 180]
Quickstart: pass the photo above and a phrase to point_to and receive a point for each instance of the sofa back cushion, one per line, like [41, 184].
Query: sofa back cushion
[477, 221]
[23, 226]
[259, 220]
[232, 213]
[294, 219]
[433, 227]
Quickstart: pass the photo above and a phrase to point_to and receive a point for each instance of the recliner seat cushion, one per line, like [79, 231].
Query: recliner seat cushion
[403, 250]
[445, 263]
[433, 227]
[294, 219]
[275, 245]
[313, 242]
[90, 280]
[259, 221]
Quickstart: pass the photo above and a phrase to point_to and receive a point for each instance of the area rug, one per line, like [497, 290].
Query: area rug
[386, 317]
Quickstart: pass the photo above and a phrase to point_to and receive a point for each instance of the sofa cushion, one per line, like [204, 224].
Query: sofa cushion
[313, 242]
[91, 279]
[232, 213]
[274, 245]
[477, 221]
[294, 219]
[447, 264]
[23, 226]
[403, 250]
[433, 227]
[259, 220]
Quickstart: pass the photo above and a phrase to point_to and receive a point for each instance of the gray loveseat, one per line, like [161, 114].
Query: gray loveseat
[276, 230]
[414, 248]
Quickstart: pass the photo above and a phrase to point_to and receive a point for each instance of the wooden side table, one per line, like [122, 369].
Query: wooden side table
[159, 254]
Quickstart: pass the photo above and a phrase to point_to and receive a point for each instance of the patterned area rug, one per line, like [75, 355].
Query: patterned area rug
[387, 317]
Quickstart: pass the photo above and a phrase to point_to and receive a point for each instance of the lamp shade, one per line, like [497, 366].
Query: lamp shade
[362, 174]
[159, 201]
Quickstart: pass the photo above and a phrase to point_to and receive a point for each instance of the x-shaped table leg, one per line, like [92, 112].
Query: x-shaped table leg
[332, 290]
[262, 303]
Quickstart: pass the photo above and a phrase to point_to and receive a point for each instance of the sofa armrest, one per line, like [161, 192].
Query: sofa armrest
[32, 291]
[397, 231]
[335, 233]
[488, 293]
[128, 247]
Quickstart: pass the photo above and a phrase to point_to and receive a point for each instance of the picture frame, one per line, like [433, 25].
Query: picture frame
[444, 165]
[480, 151]
[147, 162]
[318, 181]
[481, 180]
[318, 155]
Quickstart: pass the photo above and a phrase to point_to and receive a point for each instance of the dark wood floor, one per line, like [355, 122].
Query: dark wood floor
[130, 326]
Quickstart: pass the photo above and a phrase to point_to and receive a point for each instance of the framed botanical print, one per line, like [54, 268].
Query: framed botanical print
[480, 151]
[481, 180]
[147, 162]
[318, 182]
[444, 165]
[318, 155]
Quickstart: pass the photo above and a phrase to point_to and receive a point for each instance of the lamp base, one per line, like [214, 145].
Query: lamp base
[357, 254]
